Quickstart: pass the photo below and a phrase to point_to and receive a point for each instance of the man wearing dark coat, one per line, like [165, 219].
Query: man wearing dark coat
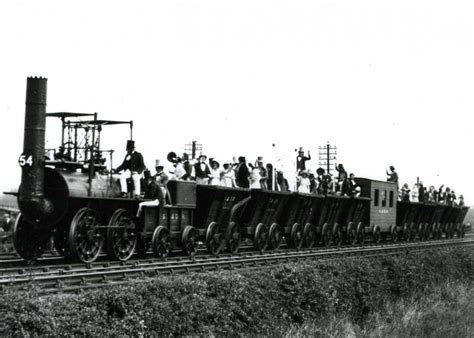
[153, 193]
[301, 160]
[131, 167]
[202, 171]
[242, 174]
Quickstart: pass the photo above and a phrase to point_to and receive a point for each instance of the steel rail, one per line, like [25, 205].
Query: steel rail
[63, 281]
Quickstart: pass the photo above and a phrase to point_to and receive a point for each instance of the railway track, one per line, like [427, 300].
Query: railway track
[73, 277]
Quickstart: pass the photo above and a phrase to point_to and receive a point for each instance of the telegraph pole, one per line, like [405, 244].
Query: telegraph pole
[192, 149]
[327, 154]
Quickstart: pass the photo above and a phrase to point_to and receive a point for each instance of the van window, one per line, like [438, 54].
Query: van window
[384, 198]
[376, 197]
[391, 200]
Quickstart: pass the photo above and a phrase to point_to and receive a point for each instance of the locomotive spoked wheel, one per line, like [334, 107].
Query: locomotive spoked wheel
[121, 235]
[60, 238]
[326, 235]
[85, 238]
[29, 243]
[161, 242]
[261, 237]
[336, 235]
[214, 239]
[376, 234]
[351, 234]
[296, 236]
[310, 235]
[233, 237]
[190, 241]
[360, 234]
[275, 236]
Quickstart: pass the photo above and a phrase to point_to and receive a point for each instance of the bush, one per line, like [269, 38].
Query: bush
[252, 301]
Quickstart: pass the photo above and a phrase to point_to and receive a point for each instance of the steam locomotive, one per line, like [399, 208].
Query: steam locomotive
[76, 202]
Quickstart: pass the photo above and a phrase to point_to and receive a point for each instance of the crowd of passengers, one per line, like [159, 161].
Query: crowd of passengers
[422, 194]
[243, 174]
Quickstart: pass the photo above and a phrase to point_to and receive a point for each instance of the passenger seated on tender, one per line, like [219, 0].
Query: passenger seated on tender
[153, 192]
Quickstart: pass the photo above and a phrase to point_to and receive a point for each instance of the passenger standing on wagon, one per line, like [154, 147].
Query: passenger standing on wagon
[392, 175]
[301, 160]
[188, 168]
[162, 180]
[215, 173]
[341, 172]
[263, 173]
[242, 173]
[254, 178]
[202, 170]
[303, 182]
[228, 176]
[132, 166]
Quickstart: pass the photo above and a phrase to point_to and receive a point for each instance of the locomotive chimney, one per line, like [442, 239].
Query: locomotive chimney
[34, 206]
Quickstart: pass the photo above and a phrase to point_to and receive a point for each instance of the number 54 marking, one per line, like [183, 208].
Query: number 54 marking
[24, 160]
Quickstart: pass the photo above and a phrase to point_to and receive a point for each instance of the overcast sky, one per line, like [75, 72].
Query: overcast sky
[388, 82]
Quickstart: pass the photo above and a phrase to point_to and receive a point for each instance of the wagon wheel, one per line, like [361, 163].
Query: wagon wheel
[351, 234]
[161, 243]
[275, 236]
[29, 243]
[189, 240]
[421, 231]
[233, 237]
[296, 236]
[121, 235]
[85, 238]
[336, 235]
[462, 230]
[413, 231]
[406, 232]
[326, 235]
[60, 238]
[360, 233]
[376, 234]
[393, 234]
[426, 233]
[451, 230]
[439, 233]
[261, 237]
[214, 239]
[310, 235]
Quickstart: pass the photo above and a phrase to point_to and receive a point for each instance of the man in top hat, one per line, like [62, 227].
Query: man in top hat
[301, 160]
[242, 173]
[202, 170]
[132, 166]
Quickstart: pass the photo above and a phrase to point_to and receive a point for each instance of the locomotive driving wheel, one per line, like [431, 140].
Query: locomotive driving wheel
[161, 242]
[121, 235]
[351, 234]
[29, 243]
[214, 239]
[275, 236]
[310, 235]
[261, 237]
[190, 241]
[85, 238]
[233, 237]
[296, 236]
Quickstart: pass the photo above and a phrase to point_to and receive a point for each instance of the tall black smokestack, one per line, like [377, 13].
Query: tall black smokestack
[31, 200]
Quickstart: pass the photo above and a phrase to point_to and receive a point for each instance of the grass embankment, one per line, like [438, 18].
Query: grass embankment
[411, 294]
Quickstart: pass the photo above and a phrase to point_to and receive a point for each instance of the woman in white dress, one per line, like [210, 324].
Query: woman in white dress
[215, 177]
[303, 182]
[254, 178]
[228, 176]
